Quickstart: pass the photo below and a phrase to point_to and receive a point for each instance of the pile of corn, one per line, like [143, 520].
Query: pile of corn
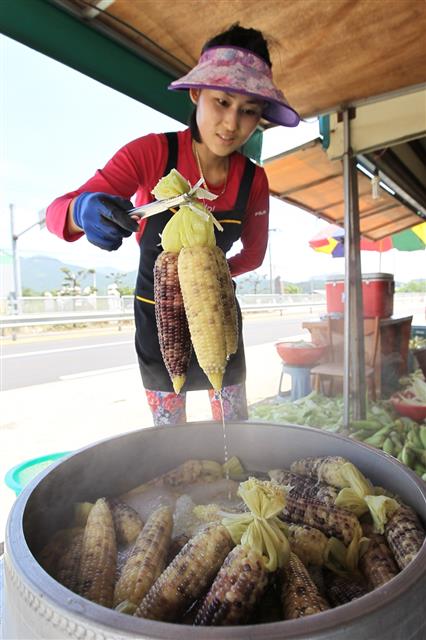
[313, 537]
[383, 428]
[193, 291]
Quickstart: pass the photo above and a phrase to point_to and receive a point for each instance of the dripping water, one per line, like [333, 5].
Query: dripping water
[225, 443]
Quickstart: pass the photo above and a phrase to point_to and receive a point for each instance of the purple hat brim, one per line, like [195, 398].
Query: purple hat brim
[275, 111]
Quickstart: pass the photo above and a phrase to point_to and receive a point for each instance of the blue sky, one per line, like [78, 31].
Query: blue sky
[58, 126]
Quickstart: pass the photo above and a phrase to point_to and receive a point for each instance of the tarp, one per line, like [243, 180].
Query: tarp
[307, 179]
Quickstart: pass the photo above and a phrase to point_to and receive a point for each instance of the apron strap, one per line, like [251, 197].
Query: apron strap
[245, 186]
[172, 141]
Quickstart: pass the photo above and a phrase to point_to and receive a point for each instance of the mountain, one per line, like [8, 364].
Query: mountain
[41, 273]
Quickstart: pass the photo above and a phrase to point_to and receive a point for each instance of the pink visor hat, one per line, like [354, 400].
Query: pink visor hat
[238, 70]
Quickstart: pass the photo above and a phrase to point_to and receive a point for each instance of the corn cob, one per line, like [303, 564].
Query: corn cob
[343, 589]
[187, 473]
[69, 564]
[333, 521]
[127, 522]
[172, 325]
[309, 544]
[98, 556]
[305, 487]
[228, 302]
[55, 548]
[404, 535]
[198, 277]
[237, 588]
[188, 576]
[377, 563]
[147, 558]
[325, 469]
[300, 597]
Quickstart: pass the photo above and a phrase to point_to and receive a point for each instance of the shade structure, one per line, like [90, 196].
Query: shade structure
[331, 240]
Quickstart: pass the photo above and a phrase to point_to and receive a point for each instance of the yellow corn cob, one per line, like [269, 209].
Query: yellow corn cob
[188, 576]
[343, 589]
[172, 325]
[237, 588]
[377, 563]
[55, 548]
[127, 522]
[228, 302]
[300, 596]
[147, 558]
[326, 469]
[98, 556]
[333, 521]
[69, 564]
[404, 535]
[305, 487]
[202, 298]
[308, 544]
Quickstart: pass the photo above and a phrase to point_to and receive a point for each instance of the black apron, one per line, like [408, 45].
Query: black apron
[154, 373]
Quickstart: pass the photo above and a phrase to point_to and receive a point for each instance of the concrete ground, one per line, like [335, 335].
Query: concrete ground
[72, 413]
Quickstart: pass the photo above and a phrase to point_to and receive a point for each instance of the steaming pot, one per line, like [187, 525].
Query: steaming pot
[36, 606]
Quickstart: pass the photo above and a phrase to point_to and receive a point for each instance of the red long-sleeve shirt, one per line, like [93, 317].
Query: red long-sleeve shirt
[136, 168]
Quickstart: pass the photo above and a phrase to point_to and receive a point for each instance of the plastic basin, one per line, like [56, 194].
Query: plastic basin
[294, 354]
[417, 413]
[20, 475]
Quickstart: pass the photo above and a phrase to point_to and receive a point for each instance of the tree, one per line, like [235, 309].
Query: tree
[292, 288]
[71, 283]
[118, 278]
[93, 288]
[414, 286]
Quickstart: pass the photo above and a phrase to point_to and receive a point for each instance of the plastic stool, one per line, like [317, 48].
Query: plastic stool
[300, 381]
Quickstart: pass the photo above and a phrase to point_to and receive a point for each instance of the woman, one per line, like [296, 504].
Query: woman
[231, 88]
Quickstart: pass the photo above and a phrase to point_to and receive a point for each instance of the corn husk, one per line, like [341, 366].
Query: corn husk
[171, 185]
[360, 498]
[260, 529]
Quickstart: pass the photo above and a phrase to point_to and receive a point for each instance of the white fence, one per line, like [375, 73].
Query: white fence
[79, 309]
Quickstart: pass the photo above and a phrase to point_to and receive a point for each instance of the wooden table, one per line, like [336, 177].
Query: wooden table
[392, 350]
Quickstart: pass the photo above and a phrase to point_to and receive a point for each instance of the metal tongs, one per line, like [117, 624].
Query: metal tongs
[189, 199]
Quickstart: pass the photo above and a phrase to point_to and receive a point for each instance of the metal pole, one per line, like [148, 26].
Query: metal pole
[270, 262]
[17, 292]
[354, 359]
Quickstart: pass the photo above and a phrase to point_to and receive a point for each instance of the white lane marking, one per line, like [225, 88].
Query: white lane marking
[97, 372]
[77, 348]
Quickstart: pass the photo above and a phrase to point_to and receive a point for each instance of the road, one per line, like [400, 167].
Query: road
[40, 359]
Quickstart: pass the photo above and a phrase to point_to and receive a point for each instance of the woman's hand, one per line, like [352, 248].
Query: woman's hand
[103, 218]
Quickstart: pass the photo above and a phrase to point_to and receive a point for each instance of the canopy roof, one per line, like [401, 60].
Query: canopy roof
[325, 54]
[307, 179]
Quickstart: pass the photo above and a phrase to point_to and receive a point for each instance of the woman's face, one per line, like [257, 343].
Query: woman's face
[225, 120]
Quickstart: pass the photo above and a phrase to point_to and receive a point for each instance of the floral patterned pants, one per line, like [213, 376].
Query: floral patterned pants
[169, 408]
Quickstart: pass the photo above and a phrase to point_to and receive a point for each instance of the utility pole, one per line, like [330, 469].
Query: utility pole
[271, 286]
[17, 292]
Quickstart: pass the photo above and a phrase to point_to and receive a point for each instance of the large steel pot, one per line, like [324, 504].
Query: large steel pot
[36, 606]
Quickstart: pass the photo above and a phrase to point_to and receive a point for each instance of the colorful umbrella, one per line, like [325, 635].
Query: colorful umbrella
[331, 240]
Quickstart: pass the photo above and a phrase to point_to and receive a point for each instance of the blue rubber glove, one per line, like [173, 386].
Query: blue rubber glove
[104, 219]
